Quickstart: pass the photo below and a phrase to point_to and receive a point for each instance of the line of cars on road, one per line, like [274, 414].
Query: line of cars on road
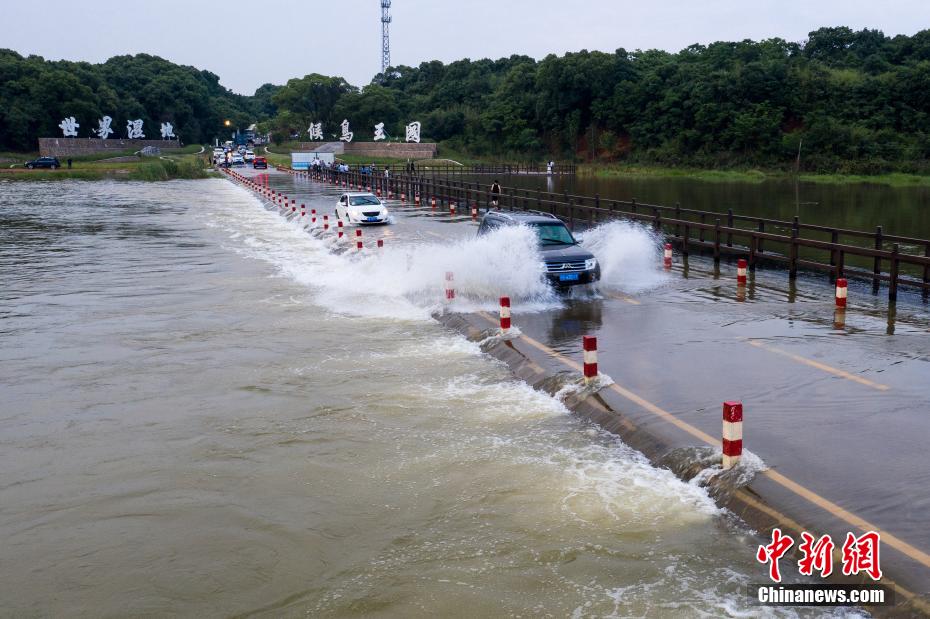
[238, 156]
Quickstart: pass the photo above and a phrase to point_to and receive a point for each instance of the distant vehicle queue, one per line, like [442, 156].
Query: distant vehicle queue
[229, 157]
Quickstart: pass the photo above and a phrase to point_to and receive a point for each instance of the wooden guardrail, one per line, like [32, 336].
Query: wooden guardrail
[840, 252]
[426, 168]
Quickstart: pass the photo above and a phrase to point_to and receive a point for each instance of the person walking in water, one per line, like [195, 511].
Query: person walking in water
[495, 194]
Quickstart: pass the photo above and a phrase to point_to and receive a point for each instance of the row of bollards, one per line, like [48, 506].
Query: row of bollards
[732, 431]
[731, 445]
[453, 207]
[284, 203]
[742, 267]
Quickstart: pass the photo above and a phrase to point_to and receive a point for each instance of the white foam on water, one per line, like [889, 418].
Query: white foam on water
[590, 475]
[630, 256]
[401, 281]
[578, 388]
[749, 465]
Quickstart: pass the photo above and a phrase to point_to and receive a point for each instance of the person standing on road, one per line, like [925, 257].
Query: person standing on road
[495, 194]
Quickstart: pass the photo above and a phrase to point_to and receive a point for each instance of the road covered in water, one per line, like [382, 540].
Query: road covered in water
[836, 428]
[208, 410]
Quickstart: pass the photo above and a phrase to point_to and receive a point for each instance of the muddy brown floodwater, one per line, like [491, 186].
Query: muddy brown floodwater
[207, 412]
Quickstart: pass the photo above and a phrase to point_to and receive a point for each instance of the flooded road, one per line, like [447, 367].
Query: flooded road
[206, 411]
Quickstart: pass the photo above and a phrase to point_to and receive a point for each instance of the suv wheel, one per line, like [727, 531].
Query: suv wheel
[54, 167]
[29, 165]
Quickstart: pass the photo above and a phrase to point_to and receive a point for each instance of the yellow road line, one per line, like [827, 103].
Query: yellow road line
[616, 295]
[832, 508]
[820, 366]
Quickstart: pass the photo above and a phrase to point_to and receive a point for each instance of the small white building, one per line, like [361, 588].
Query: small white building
[302, 160]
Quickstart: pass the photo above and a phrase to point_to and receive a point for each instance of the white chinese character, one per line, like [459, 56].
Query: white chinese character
[69, 127]
[167, 131]
[346, 134]
[316, 131]
[134, 129]
[413, 132]
[103, 127]
[379, 132]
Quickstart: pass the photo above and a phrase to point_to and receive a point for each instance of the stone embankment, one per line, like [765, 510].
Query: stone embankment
[77, 147]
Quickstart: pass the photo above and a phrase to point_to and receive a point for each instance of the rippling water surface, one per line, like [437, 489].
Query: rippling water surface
[192, 423]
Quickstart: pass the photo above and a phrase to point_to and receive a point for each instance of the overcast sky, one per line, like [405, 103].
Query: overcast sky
[252, 42]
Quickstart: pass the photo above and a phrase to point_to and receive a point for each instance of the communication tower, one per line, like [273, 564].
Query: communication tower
[385, 35]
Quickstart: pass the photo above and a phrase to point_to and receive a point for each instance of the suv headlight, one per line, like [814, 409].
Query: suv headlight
[590, 263]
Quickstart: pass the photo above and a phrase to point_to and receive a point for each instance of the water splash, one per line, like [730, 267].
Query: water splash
[630, 256]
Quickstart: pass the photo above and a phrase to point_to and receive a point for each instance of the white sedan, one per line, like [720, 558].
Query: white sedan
[361, 208]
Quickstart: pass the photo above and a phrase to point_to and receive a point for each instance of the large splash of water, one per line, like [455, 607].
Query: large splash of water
[406, 279]
[630, 256]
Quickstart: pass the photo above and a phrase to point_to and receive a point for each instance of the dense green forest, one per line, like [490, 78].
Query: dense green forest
[854, 101]
[859, 102]
[36, 94]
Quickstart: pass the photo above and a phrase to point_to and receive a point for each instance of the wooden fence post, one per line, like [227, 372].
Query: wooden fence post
[729, 225]
[926, 278]
[835, 239]
[877, 263]
[893, 275]
[793, 254]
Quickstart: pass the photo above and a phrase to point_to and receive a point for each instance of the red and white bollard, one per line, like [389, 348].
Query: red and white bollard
[841, 291]
[452, 208]
[358, 239]
[741, 272]
[589, 346]
[505, 315]
[378, 193]
[303, 210]
[339, 228]
[325, 223]
[474, 212]
[416, 199]
[403, 197]
[432, 202]
[450, 286]
[313, 216]
[732, 445]
[380, 243]
[668, 256]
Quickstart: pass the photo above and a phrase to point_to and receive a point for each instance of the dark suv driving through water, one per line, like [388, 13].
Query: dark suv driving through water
[566, 263]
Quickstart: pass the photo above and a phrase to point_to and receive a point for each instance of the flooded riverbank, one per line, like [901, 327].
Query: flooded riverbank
[207, 412]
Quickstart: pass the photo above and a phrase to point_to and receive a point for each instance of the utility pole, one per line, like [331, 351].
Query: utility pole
[385, 35]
